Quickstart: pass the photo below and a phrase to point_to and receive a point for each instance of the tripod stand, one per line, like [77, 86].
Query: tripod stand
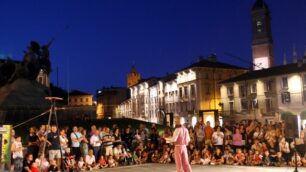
[52, 112]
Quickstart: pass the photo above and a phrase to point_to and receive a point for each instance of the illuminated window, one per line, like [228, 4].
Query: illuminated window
[242, 90]
[185, 91]
[181, 92]
[192, 90]
[244, 104]
[230, 91]
[253, 88]
[284, 82]
[285, 97]
[268, 86]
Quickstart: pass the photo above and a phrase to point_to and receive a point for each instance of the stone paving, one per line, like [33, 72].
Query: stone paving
[198, 168]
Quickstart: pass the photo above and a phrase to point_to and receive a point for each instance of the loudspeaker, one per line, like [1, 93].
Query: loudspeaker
[291, 126]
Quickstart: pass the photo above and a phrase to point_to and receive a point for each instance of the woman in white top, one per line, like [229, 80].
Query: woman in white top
[284, 148]
[63, 140]
[17, 151]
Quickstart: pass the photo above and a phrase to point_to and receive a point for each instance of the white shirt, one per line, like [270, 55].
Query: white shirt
[19, 153]
[117, 151]
[75, 135]
[90, 159]
[218, 140]
[94, 141]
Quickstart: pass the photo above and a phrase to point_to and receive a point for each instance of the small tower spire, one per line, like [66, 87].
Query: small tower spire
[285, 58]
[294, 54]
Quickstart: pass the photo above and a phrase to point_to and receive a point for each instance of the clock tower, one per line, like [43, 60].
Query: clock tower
[262, 43]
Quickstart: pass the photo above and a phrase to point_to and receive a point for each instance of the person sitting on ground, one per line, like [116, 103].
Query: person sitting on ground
[155, 156]
[239, 157]
[69, 159]
[165, 158]
[249, 158]
[206, 156]
[102, 162]
[34, 167]
[81, 164]
[266, 159]
[280, 160]
[111, 162]
[257, 158]
[217, 158]
[90, 160]
[42, 162]
[297, 160]
[196, 158]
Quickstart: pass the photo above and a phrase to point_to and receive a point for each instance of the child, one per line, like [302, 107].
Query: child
[102, 162]
[298, 160]
[135, 158]
[42, 162]
[217, 158]
[257, 158]
[69, 160]
[206, 157]
[266, 160]
[249, 158]
[165, 158]
[144, 157]
[239, 157]
[111, 162]
[196, 158]
[155, 156]
[81, 164]
[280, 160]
[228, 158]
[34, 167]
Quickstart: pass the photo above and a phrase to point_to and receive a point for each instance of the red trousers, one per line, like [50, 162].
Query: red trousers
[181, 159]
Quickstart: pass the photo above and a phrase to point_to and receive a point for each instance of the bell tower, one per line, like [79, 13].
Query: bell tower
[133, 77]
[262, 43]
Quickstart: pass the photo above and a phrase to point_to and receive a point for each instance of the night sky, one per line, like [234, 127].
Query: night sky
[97, 41]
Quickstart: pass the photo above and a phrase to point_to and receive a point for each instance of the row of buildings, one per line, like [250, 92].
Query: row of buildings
[210, 90]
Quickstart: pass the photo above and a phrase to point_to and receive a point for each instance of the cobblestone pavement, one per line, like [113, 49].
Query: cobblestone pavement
[198, 168]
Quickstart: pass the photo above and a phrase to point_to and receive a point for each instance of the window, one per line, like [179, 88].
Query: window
[192, 90]
[86, 99]
[242, 90]
[219, 76]
[206, 76]
[185, 91]
[230, 91]
[244, 104]
[285, 97]
[231, 107]
[254, 103]
[253, 88]
[284, 82]
[181, 92]
[268, 86]
[268, 105]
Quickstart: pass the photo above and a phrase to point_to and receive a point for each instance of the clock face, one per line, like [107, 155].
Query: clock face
[259, 26]
[261, 63]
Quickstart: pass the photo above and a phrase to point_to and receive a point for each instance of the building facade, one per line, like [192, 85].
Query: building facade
[133, 77]
[108, 99]
[186, 93]
[79, 98]
[265, 94]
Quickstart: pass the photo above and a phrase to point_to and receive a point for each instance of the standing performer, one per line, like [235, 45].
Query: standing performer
[181, 139]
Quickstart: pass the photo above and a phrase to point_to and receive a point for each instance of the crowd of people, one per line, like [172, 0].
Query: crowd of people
[252, 143]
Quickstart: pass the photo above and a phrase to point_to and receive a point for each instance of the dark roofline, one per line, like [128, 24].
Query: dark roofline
[78, 93]
[273, 71]
[211, 64]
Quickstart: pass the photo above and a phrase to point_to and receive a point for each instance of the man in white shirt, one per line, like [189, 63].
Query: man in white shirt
[95, 142]
[76, 138]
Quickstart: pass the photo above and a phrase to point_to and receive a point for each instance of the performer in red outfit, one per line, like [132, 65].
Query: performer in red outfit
[181, 139]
